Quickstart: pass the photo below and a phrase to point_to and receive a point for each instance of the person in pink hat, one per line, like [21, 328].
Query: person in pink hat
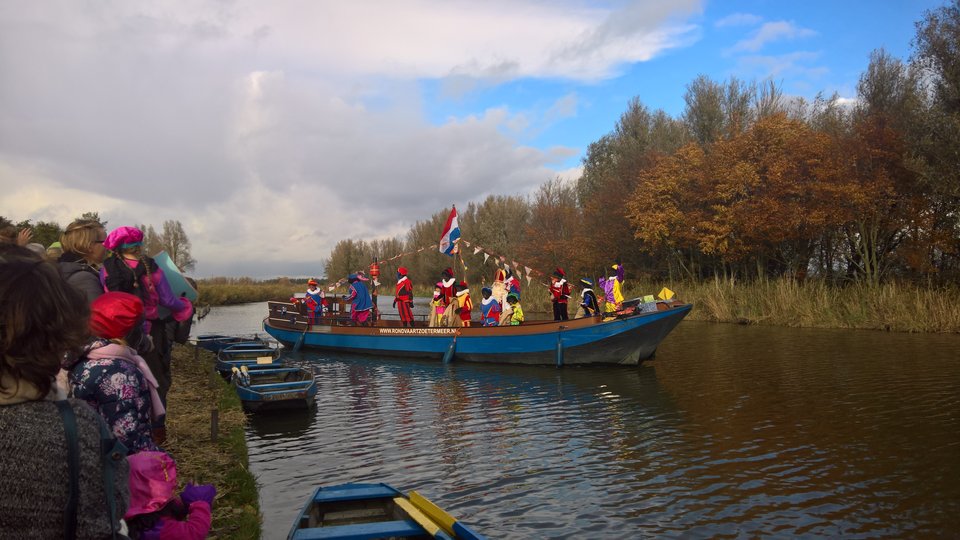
[156, 512]
[129, 270]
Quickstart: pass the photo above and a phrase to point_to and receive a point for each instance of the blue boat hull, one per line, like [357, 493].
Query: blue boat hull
[624, 341]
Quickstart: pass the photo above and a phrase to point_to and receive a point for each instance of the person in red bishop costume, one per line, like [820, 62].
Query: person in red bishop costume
[403, 298]
[560, 290]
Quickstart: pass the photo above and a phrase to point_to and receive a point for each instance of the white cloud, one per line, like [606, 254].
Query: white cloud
[771, 32]
[272, 130]
[797, 65]
[738, 19]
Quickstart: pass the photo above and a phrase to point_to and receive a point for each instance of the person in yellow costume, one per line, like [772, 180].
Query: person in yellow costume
[618, 284]
[516, 316]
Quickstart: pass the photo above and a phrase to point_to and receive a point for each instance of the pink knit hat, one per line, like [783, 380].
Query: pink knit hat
[153, 477]
[123, 237]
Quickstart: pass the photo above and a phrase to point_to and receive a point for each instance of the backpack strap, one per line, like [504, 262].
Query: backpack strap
[73, 460]
[111, 452]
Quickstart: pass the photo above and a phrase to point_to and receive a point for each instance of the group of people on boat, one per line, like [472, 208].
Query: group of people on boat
[452, 306]
[84, 376]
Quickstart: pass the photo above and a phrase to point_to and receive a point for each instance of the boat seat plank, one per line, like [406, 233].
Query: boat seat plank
[435, 513]
[361, 531]
[428, 524]
[372, 491]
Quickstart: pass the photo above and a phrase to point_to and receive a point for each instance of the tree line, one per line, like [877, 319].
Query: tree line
[746, 183]
[171, 237]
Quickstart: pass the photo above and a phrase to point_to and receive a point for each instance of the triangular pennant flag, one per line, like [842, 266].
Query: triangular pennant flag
[528, 280]
[516, 266]
[527, 268]
[466, 243]
[485, 257]
[476, 250]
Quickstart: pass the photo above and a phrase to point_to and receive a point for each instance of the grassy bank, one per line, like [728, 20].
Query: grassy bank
[892, 307]
[197, 390]
[230, 291]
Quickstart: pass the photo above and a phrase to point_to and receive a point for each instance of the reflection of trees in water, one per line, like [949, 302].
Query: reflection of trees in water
[402, 390]
[452, 401]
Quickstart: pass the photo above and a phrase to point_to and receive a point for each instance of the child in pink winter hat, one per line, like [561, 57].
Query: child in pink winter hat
[155, 512]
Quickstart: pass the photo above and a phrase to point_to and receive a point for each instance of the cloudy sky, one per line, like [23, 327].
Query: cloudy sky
[271, 130]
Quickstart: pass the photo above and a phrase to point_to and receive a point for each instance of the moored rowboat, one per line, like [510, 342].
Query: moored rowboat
[217, 342]
[274, 388]
[248, 354]
[360, 511]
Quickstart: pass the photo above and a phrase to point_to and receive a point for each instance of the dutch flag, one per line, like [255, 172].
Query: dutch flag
[451, 233]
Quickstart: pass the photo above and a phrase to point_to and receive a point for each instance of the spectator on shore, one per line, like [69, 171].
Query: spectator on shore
[54, 251]
[156, 511]
[114, 380]
[52, 466]
[83, 253]
[128, 270]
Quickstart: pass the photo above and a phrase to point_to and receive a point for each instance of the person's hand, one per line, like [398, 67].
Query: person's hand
[394, 302]
[192, 493]
[24, 237]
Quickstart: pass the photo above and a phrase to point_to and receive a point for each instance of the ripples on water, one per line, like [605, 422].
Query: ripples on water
[731, 432]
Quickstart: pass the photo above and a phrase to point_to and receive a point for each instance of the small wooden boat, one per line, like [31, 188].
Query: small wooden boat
[217, 342]
[367, 511]
[626, 338]
[246, 354]
[274, 388]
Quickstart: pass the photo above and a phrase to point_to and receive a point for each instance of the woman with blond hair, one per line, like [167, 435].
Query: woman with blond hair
[83, 253]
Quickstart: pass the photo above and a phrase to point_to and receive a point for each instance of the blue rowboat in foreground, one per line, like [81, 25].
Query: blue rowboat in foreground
[274, 388]
[627, 339]
[368, 511]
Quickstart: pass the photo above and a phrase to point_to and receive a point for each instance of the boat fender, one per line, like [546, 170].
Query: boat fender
[448, 356]
[299, 343]
[559, 350]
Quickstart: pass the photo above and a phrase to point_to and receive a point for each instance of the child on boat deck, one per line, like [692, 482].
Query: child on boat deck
[489, 308]
[465, 305]
[155, 511]
[437, 308]
[516, 316]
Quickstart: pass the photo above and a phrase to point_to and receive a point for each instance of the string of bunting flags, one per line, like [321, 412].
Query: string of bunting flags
[519, 269]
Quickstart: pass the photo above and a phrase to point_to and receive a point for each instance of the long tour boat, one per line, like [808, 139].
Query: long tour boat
[627, 338]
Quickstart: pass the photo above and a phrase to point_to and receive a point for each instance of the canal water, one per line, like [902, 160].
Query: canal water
[732, 431]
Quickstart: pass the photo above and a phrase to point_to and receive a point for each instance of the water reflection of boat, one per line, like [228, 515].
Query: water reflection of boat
[627, 339]
[289, 426]
[360, 511]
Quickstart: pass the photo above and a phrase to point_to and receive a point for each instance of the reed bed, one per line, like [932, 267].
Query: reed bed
[892, 307]
[895, 307]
